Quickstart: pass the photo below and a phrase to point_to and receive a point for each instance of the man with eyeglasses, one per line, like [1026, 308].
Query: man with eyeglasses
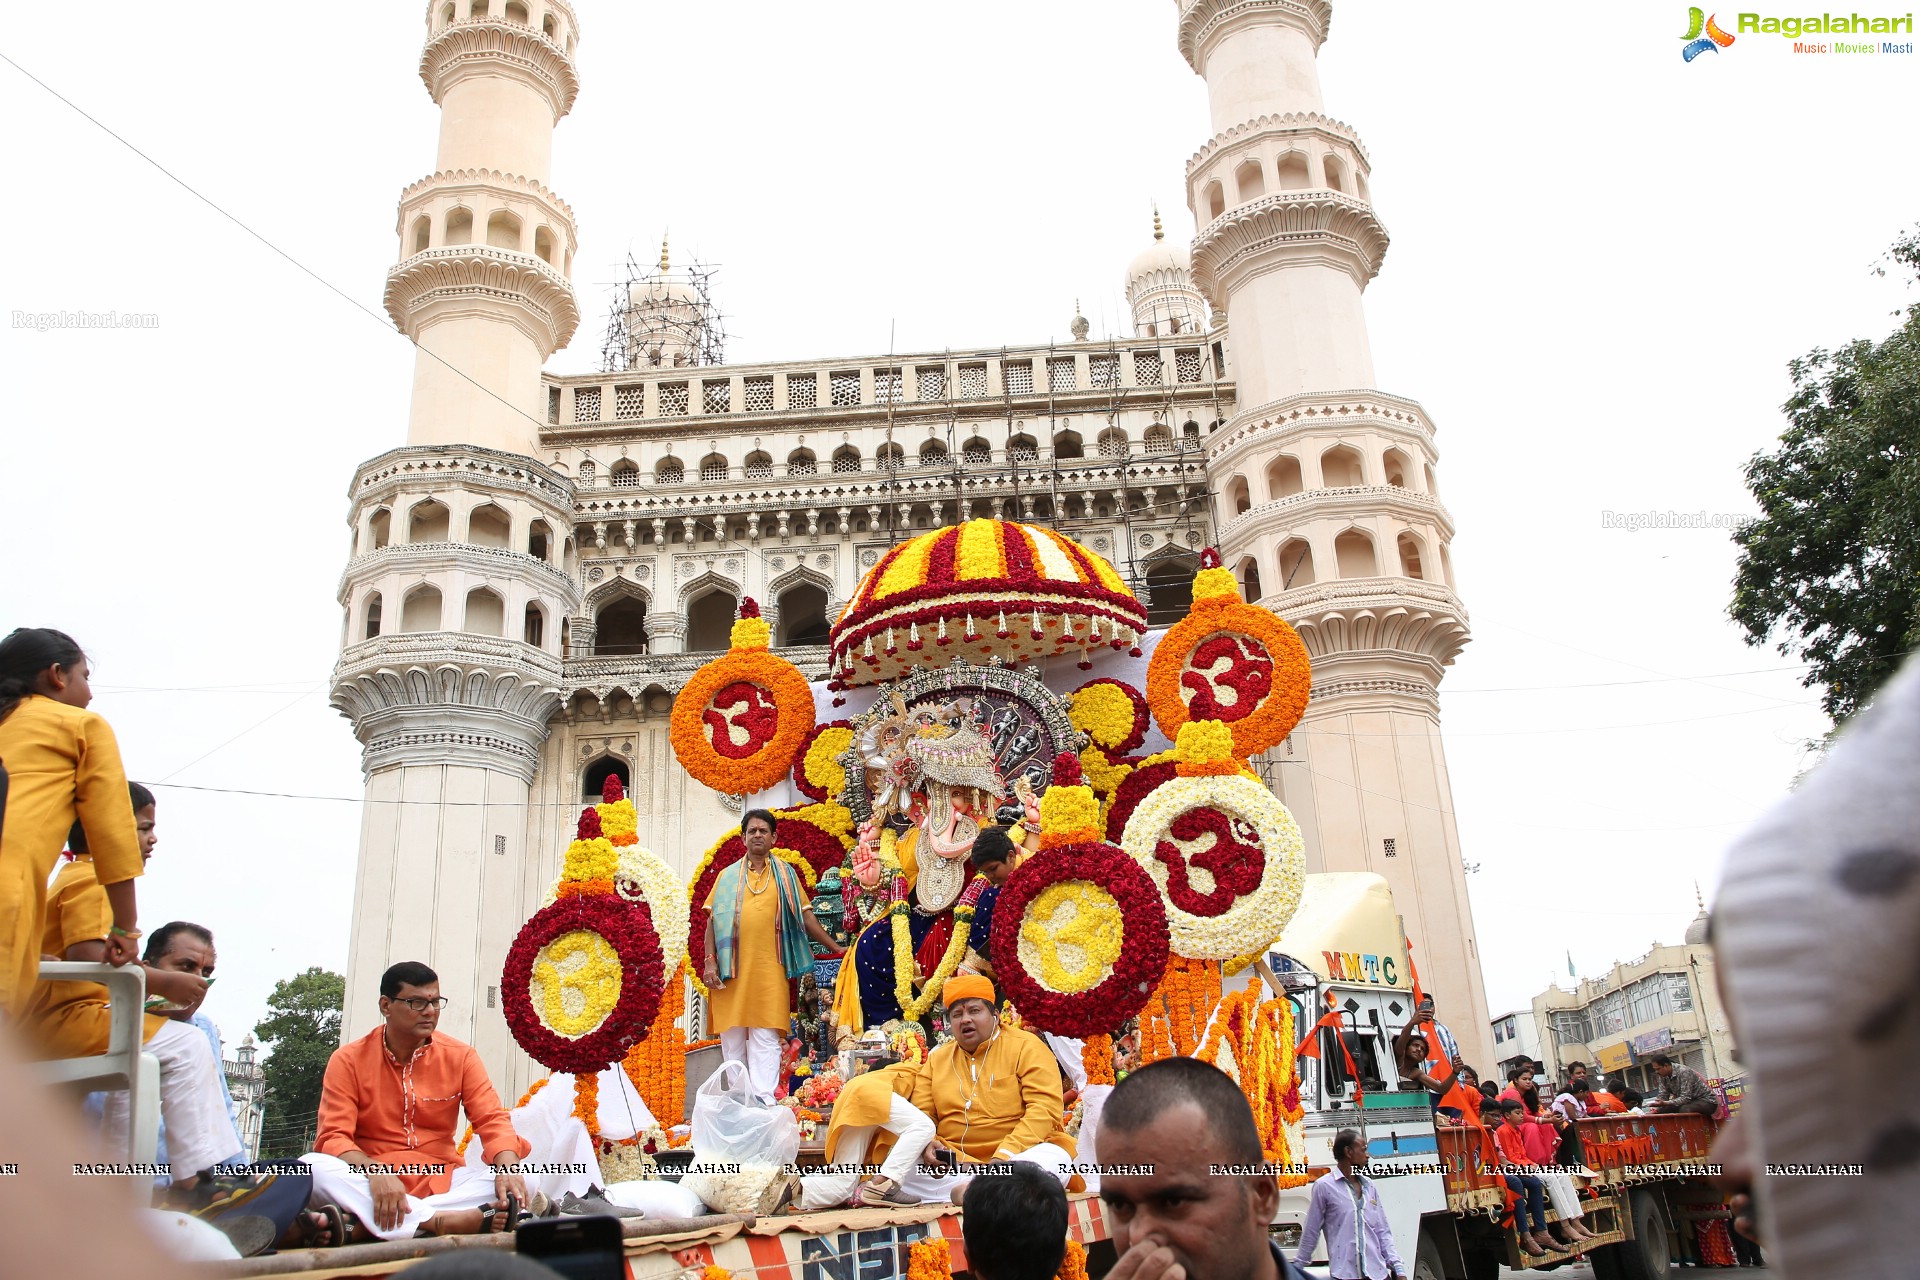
[389, 1110]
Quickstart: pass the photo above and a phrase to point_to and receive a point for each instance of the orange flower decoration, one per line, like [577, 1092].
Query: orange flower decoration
[738, 724]
[1230, 661]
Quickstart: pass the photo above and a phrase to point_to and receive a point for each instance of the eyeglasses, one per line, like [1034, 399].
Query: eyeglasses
[420, 1004]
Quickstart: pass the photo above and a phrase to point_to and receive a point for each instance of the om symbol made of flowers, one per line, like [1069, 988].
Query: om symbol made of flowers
[595, 981]
[1247, 677]
[1071, 935]
[1233, 860]
[1256, 859]
[756, 720]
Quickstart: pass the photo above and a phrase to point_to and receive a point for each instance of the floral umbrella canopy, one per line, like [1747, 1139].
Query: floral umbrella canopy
[979, 589]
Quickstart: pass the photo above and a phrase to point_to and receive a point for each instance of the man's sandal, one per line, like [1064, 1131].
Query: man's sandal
[499, 1218]
[877, 1192]
[333, 1225]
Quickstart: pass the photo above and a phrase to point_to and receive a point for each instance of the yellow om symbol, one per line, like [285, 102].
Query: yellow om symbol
[1071, 935]
[575, 998]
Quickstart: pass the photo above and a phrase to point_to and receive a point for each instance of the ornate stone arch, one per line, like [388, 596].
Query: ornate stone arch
[614, 589]
[705, 582]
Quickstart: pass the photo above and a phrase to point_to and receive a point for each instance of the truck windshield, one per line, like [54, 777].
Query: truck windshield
[1334, 1063]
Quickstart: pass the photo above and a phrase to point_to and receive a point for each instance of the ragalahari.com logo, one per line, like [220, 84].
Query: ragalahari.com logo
[1703, 35]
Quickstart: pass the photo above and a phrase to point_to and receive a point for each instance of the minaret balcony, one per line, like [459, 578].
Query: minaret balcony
[429, 558]
[478, 279]
[1204, 22]
[1348, 623]
[1345, 503]
[498, 46]
[1327, 226]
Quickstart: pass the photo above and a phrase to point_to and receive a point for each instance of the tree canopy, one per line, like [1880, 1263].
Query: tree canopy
[303, 1028]
[1830, 572]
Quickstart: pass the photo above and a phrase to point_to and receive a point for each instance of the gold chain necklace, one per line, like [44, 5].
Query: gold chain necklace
[766, 881]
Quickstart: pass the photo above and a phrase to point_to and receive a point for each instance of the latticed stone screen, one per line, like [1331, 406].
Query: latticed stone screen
[757, 394]
[886, 386]
[585, 478]
[844, 463]
[670, 472]
[586, 404]
[1187, 366]
[759, 467]
[803, 390]
[716, 396]
[1146, 368]
[625, 475]
[933, 454]
[713, 469]
[673, 399]
[803, 465]
[1104, 371]
[1159, 440]
[1060, 374]
[973, 381]
[1018, 376]
[1113, 444]
[629, 402]
[844, 386]
[931, 382]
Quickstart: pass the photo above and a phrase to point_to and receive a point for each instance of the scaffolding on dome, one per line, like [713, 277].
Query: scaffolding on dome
[663, 317]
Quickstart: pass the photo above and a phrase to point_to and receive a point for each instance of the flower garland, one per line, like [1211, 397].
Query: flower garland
[620, 980]
[1233, 831]
[912, 1007]
[643, 876]
[1073, 1263]
[1096, 1057]
[746, 689]
[1262, 690]
[1112, 715]
[1259, 1038]
[1168, 1024]
[657, 1065]
[818, 772]
[929, 1259]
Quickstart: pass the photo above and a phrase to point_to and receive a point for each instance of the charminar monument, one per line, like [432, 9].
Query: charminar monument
[544, 560]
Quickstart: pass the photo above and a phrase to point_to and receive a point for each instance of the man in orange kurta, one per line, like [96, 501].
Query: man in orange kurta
[389, 1108]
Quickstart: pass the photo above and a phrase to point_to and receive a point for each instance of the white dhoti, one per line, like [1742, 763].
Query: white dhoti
[835, 1187]
[930, 1187]
[758, 1048]
[200, 1133]
[561, 1158]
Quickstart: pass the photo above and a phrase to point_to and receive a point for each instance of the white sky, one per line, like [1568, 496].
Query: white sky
[1603, 258]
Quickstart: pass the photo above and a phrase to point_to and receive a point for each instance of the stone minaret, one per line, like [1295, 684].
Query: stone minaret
[1325, 486]
[460, 580]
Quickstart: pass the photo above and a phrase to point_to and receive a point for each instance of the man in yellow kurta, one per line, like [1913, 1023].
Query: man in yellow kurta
[876, 1142]
[62, 765]
[757, 930]
[993, 1092]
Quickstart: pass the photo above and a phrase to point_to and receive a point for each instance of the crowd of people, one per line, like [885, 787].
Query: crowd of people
[78, 834]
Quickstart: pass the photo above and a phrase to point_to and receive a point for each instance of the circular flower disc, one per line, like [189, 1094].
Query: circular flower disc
[1232, 662]
[738, 723]
[1226, 856]
[1084, 936]
[583, 981]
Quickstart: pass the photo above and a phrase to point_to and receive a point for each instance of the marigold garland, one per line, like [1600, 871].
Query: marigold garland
[818, 772]
[711, 1272]
[1268, 673]
[586, 1103]
[1260, 1039]
[1096, 1057]
[929, 1259]
[914, 1007]
[1073, 1263]
[1171, 1022]
[768, 698]
[657, 1065]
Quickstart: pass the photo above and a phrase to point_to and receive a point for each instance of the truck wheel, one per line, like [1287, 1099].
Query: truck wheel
[1426, 1260]
[1644, 1257]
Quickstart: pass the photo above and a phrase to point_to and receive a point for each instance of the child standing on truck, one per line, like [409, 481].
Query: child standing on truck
[1530, 1211]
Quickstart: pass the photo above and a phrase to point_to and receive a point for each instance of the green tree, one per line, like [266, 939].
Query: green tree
[1830, 572]
[303, 1028]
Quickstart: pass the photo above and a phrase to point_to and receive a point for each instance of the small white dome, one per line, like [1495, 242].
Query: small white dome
[1161, 255]
[662, 292]
[1697, 931]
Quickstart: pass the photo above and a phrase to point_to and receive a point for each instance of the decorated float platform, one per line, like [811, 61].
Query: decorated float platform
[990, 674]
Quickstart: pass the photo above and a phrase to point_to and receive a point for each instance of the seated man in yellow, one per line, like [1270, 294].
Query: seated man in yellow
[873, 1126]
[993, 1092]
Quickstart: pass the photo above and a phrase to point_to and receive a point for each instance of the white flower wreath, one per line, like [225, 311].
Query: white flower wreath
[1255, 918]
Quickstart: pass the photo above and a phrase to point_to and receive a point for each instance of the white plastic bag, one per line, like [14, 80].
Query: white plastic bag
[729, 1127]
[739, 1146]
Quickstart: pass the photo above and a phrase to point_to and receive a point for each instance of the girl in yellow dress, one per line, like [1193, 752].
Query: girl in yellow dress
[62, 766]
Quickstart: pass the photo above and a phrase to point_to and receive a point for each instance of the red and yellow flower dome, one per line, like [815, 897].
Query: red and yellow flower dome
[978, 589]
